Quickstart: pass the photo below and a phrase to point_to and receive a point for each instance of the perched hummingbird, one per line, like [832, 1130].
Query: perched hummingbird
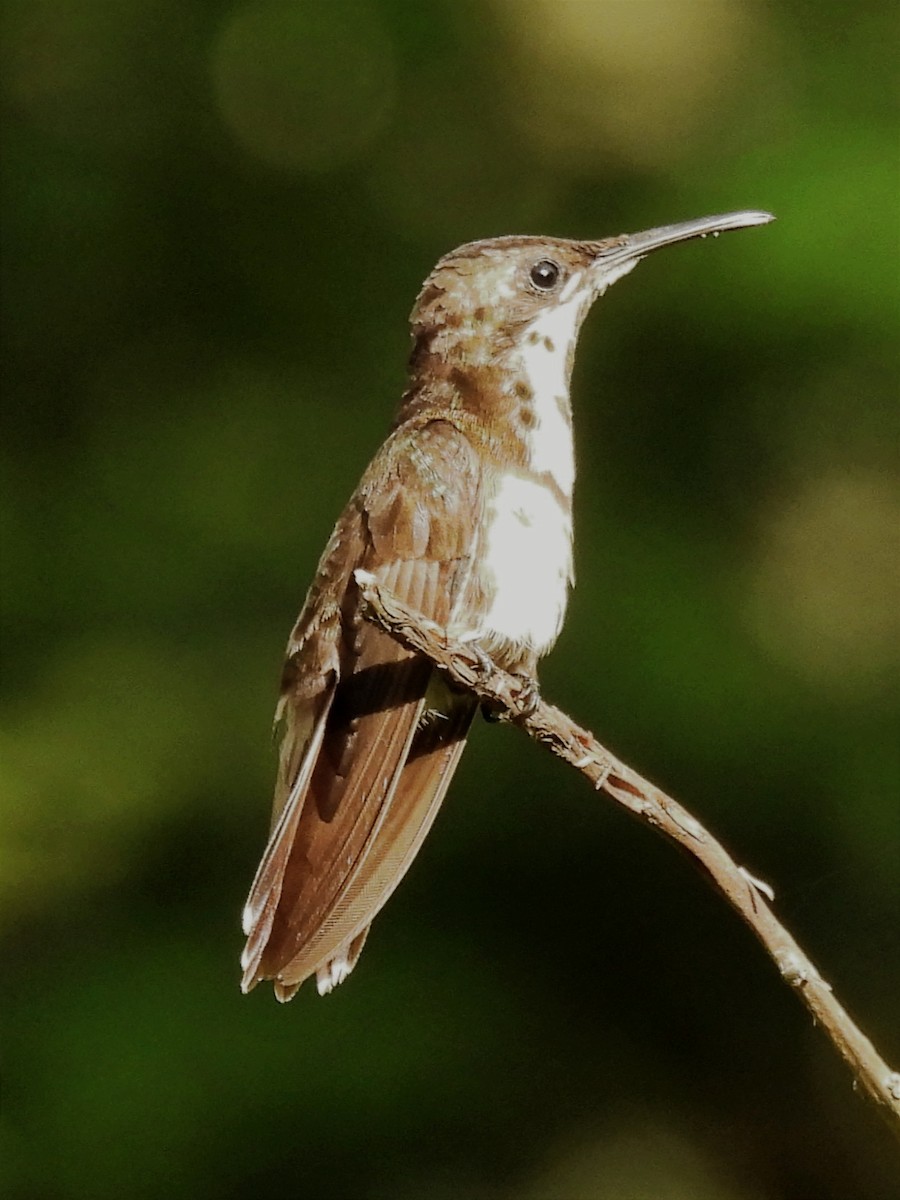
[465, 514]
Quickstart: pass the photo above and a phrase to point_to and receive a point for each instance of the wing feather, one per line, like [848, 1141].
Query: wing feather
[354, 805]
[265, 892]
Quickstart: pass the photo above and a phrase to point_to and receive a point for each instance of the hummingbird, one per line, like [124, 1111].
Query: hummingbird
[464, 514]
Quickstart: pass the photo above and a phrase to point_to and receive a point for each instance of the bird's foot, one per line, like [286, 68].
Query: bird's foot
[528, 696]
[525, 699]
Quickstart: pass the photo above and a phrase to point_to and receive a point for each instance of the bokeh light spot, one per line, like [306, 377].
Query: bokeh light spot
[824, 597]
[304, 87]
[628, 82]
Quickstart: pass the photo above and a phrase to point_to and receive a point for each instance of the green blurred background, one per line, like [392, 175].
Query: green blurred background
[216, 215]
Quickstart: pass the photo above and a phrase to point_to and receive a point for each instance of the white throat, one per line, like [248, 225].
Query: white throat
[545, 361]
[528, 544]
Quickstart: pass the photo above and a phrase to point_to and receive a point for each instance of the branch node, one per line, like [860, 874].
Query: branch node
[758, 885]
[797, 970]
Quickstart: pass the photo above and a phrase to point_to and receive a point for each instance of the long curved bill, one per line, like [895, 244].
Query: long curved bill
[617, 256]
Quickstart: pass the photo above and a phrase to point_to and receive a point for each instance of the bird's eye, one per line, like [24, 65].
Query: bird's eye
[545, 274]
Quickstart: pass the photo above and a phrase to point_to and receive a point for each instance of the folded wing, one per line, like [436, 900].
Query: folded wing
[371, 734]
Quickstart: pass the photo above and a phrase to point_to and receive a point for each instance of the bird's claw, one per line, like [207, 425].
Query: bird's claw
[528, 696]
[486, 666]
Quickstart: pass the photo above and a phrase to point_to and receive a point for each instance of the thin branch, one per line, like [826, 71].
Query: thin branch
[467, 666]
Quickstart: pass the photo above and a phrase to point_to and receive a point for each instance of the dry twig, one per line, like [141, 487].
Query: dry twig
[467, 667]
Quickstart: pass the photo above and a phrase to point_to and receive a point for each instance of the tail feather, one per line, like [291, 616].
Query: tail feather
[403, 824]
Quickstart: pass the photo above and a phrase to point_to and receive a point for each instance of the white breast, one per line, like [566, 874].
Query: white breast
[527, 563]
[527, 547]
